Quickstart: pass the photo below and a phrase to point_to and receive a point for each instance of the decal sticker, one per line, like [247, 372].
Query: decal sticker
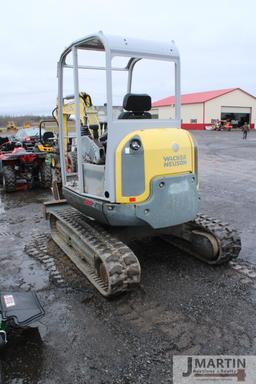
[9, 301]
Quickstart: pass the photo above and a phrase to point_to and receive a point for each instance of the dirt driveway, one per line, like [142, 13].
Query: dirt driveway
[182, 306]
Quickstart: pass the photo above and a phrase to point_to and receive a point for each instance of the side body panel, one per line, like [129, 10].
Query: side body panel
[163, 152]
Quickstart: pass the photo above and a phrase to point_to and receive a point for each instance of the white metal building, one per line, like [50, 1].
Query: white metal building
[204, 108]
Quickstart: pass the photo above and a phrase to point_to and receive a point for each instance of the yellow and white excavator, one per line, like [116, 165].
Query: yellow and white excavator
[90, 125]
[132, 177]
[89, 122]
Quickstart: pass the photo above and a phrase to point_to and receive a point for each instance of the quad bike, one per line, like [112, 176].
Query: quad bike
[18, 309]
[228, 126]
[137, 179]
[20, 167]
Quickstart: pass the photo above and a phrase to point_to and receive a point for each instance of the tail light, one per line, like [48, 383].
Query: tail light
[29, 158]
[196, 160]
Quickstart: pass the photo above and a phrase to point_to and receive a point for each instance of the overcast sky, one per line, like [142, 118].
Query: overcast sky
[216, 40]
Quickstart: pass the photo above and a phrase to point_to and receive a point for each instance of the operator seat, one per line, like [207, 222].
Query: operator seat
[47, 136]
[136, 106]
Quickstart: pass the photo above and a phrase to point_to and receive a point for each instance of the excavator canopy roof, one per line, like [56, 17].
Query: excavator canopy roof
[125, 46]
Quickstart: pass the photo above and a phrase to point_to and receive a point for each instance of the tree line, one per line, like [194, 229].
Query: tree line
[20, 120]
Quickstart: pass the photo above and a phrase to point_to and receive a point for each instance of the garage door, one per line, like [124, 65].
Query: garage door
[237, 115]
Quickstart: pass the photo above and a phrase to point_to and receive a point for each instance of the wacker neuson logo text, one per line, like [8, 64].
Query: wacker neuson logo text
[214, 369]
[175, 161]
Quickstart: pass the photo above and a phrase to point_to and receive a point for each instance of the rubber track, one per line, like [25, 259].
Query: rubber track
[228, 239]
[122, 266]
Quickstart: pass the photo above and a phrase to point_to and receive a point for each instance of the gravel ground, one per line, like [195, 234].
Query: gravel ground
[182, 306]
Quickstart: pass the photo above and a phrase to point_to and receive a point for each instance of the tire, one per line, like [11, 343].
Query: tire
[46, 176]
[9, 179]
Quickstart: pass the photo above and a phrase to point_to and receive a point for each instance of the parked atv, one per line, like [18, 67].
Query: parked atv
[20, 167]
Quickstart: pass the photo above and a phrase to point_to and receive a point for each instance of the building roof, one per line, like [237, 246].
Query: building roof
[193, 98]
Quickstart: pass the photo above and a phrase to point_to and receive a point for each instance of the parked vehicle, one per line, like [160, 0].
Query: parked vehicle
[47, 139]
[228, 126]
[22, 167]
[28, 137]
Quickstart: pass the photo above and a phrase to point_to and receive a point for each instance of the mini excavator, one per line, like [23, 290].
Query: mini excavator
[132, 177]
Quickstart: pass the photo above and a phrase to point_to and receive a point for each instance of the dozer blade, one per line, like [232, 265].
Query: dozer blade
[108, 263]
[207, 239]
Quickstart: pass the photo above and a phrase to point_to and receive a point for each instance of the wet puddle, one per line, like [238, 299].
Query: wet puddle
[24, 347]
[2, 210]
[2, 207]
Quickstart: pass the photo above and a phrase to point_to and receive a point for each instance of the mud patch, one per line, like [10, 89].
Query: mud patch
[37, 248]
[23, 346]
[63, 273]
[70, 273]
